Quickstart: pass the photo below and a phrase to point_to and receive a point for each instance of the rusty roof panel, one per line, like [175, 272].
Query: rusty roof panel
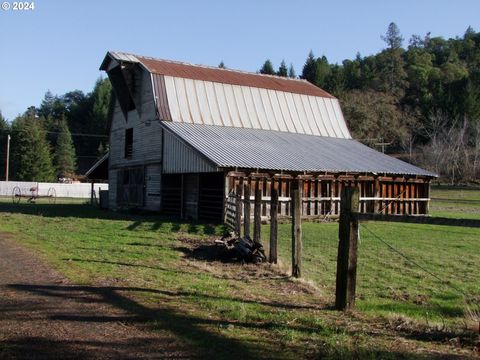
[233, 77]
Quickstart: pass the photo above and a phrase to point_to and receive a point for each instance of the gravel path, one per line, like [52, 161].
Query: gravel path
[42, 316]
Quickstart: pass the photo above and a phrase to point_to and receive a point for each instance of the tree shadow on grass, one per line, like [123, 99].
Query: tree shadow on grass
[197, 333]
[28, 347]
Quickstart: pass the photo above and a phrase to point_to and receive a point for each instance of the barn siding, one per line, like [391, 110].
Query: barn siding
[153, 187]
[112, 189]
[147, 140]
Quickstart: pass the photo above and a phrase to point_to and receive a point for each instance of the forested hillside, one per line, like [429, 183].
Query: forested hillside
[418, 100]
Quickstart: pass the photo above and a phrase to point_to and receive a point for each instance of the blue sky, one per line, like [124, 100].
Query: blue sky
[60, 45]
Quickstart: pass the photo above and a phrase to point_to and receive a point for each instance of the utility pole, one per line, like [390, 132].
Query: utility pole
[8, 157]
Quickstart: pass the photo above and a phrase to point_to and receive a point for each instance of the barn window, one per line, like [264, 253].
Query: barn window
[128, 143]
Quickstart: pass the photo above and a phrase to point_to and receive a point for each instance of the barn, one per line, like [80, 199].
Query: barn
[183, 137]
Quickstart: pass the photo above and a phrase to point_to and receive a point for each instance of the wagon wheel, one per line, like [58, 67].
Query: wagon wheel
[52, 195]
[16, 195]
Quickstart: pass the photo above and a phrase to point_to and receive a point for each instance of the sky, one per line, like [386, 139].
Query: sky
[60, 44]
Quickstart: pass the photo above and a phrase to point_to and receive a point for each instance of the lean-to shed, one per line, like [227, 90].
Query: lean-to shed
[183, 135]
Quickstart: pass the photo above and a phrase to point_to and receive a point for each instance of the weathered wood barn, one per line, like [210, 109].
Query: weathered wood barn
[183, 135]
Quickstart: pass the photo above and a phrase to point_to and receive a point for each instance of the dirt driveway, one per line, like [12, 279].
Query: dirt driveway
[42, 316]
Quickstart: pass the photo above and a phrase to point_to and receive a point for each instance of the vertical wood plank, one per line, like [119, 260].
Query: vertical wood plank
[427, 195]
[333, 193]
[238, 209]
[257, 212]
[296, 194]
[347, 250]
[273, 256]
[246, 209]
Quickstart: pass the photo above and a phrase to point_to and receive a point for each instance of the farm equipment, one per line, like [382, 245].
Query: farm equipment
[32, 195]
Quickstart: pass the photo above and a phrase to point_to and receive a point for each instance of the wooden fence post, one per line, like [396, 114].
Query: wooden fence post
[273, 223]
[246, 209]
[257, 214]
[347, 250]
[238, 209]
[296, 194]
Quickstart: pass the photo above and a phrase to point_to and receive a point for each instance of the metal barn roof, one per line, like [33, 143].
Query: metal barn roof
[196, 94]
[228, 147]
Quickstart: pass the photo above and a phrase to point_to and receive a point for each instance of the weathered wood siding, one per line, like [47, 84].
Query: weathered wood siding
[147, 141]
[153, 187]
[112, 189]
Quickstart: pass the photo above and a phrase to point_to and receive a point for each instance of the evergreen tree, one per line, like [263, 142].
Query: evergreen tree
[267, 68]
[309, 71]
[222, 65]
[392, 37]
[64, 156]
[322, 72]
[291, 72]
[392, 75]
[4, 131]
[51, 107]
[282, 70]
[30, 151]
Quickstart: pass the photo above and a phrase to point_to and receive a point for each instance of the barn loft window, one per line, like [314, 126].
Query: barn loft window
[128, 143]
[123, 84]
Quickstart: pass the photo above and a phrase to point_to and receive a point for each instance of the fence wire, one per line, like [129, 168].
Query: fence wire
[424, 272]
[427, 273]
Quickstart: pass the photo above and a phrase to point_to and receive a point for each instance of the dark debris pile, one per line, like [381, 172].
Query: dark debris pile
[242, 249]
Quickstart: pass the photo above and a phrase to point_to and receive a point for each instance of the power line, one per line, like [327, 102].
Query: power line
[79, 134]
[6, 131]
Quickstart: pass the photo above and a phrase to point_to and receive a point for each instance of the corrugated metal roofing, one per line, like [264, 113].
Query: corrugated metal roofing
[223, 104]
[276, 150]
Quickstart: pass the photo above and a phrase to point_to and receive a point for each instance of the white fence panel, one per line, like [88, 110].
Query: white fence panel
[79, 190]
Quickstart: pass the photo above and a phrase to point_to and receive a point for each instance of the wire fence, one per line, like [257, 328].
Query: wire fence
[427, 273]
[421, 271]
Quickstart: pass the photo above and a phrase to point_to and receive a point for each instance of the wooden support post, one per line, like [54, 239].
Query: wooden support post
[238, 209]
[347, 250]
[92, 192]
[257, 212]
[377, 205]
[273, 224]
[296, 193]
[427, 195]
[246, 209]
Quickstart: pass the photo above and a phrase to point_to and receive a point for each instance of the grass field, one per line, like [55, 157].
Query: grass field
[390, 284]
[235, 311]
